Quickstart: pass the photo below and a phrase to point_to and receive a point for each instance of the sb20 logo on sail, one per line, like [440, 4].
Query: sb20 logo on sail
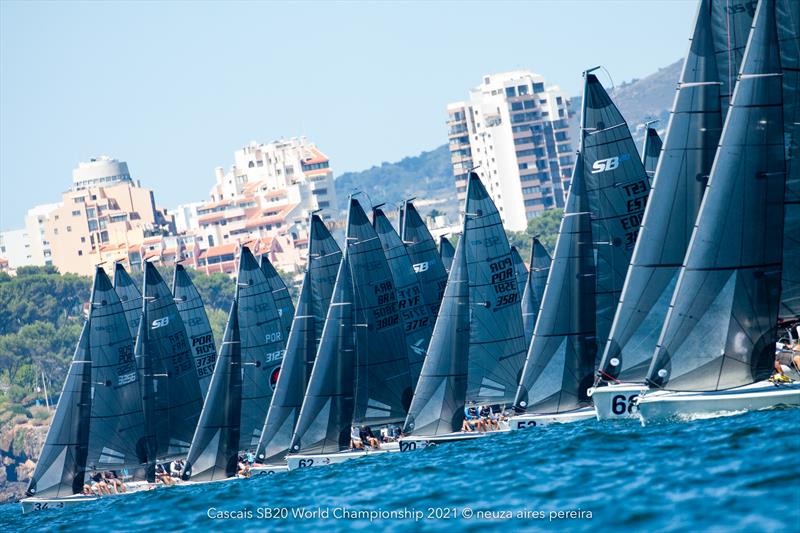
[160, 322]
[603, 165]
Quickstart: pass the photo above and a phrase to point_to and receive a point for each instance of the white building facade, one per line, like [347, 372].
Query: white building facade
[513, 131]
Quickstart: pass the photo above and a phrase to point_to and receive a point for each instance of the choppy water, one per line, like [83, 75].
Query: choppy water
[737, 473]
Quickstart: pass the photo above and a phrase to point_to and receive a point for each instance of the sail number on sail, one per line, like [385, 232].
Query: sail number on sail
[637, 199]
[504, 281]
[387, 314]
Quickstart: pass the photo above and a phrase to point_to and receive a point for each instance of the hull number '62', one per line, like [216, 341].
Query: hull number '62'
[621, 405]
[303, 463]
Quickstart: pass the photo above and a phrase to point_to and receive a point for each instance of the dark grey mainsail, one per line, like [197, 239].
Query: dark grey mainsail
[440, 395]
[651, 151]
[116, 429]
[329, 404]
[130, 296]
[414, 311]
[193, 313]
[283, 300]
[61, 467]
[383, 380]
[446, 252]
[721, 327]
[788, 19]
[520, 269]
[154, 391]
[424, 256]
[691, 143]
[324, 257]
[497, 340]
[263, 342]
[730, 27]
[601, 222]
[168, 344]
[215, 447]
[534, 287]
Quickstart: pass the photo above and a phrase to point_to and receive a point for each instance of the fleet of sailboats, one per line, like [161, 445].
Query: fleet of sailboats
[671, 278]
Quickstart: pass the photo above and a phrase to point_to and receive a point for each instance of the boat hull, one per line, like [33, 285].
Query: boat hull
[534, 420]
[261, 470]
[661, 405]
[294, 462]
[30, 505]
[414, 442]
[617, 401]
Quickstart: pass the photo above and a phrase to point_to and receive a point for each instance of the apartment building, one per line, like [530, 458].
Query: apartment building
[513, 131]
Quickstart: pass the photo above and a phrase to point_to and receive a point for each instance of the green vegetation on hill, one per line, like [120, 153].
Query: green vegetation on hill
[545, 226]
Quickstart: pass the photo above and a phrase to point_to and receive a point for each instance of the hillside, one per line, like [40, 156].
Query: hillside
[429, 174]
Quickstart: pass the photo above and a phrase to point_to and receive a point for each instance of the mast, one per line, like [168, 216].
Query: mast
[721, 327]
[440, 395]
[414, 311]
[424, 256]
[604, 208]
[116, 427]
[61, 468]
[198, 328]
[130, 296]
[680, 180]
[173, 368]
[324, 257]
[497, 342]
[263, 342]
[535, 282]
[214, 451]
[155, 406]
[383, 380]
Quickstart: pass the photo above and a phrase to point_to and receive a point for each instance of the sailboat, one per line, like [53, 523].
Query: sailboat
[717, 346]
[130, 296]
[415, 313]
[607, 196]
[193, 314]
[361, 373]
[519, 269]
[477, 349]
[651, 150]
[280, 293]
[324, 257]
[446, 252]
[680, 181]
[98, 423]
[533, 291]
[424, 257]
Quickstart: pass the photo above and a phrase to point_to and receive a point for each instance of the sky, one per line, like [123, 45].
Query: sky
[174, 88]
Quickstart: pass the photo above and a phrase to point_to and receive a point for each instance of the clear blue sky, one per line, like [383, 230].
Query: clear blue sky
[174, 88]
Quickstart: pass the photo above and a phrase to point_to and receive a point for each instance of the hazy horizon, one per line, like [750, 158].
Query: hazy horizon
[175, 88]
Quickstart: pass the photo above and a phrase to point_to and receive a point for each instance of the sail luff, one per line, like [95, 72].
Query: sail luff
[446, 252]
[130, 296]
[280, 293]
[535, 283]
[424, 255]
[520, 270]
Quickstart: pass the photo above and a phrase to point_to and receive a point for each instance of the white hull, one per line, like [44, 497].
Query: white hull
[32, 504]
[617, 401]
[418, 442]
[260, 470]
[533, 420]
[668, 404]
[293, 462]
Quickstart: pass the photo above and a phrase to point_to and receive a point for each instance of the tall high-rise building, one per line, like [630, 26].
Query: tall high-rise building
[513, 130]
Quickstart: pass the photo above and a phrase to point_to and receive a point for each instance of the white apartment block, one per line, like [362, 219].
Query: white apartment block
[16, 248]
[515, 130]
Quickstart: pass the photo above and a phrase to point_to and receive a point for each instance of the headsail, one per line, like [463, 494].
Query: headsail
[414, 311]
[497, 342]
[651, 151]
[130, 296]
[424, 256]
[446, 252]
[520, 269]
[324, 257]
[168, 344]
[193, 313]
[116, 429]
[283, 300]
[691, 143]
[263, 342]
[383, 379]
[534, 287]
[61, 467]
[601, 221]
[215, 447]
[440, 395]
[721, 327]
[328, 407]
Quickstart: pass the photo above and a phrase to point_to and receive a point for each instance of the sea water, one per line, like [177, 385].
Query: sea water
[734, 473]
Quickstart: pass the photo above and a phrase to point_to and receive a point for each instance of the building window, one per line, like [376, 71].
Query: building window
[69, 229]
[55, 231]
[511, 91]
[76, 213]
[92, 225]
[522, 89]
[79, 199]
[80, 252]
[538, 87]
[83, 239]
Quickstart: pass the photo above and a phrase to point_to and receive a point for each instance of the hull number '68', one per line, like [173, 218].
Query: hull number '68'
[621, 405]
